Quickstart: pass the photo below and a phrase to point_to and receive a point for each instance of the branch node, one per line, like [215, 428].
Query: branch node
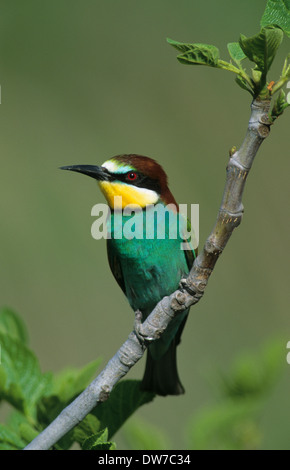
[181, 298]
[263, 131]
[194, 289]
[178, 302]
[264, 119]
[104, 393]
[212, 248]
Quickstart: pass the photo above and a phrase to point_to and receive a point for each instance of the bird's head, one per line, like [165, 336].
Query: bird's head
[138, 180]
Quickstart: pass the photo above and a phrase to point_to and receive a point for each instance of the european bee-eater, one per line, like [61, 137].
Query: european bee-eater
[147, 268]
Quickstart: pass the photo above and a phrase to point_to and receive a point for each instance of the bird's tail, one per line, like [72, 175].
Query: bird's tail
[161, 376]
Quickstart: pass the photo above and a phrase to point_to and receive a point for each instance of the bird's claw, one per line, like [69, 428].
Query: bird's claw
[138, 326]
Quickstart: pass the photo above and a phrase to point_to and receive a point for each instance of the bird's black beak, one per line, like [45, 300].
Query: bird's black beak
[97, 172]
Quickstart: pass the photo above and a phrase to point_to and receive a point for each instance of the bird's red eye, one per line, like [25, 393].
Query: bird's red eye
[132, 176]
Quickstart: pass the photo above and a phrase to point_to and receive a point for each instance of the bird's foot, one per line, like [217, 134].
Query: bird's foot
[138, 327]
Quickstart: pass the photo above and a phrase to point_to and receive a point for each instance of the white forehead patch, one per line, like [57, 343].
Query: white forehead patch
[113, 167]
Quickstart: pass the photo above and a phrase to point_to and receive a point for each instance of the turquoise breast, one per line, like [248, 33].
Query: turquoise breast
[152, 261]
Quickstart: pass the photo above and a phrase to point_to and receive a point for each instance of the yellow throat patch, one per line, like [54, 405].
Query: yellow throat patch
[129, 194]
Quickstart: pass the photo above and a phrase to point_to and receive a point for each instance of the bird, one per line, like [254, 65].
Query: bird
[146, 268]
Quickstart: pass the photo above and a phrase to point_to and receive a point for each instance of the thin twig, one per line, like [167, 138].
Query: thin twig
[190, 291]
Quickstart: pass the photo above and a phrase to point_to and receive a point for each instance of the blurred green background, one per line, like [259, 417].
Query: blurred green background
[82, 81]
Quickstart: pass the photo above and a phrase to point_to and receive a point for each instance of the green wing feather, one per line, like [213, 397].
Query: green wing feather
[115, 266]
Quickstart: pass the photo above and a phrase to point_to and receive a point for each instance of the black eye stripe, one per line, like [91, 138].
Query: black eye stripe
[141, 181]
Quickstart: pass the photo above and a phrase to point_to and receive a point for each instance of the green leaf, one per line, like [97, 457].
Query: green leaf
[286, 68]
[196, 54]
[257, 75]
[261, 48]
[280, 104]
[253, 375]
[12, 325]
[9, 439]
[243, 84]
[65, 387]
[236, 52]
[277, 12]
[27, 432]
[70, 382]
[99, 441]
[88, 427]
[21, 381]
[18, 423]
[234, 422]
[124, 400]
[230, 425]
[141, 435]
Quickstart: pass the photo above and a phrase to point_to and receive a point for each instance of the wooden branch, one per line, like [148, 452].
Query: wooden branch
[189, 293]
